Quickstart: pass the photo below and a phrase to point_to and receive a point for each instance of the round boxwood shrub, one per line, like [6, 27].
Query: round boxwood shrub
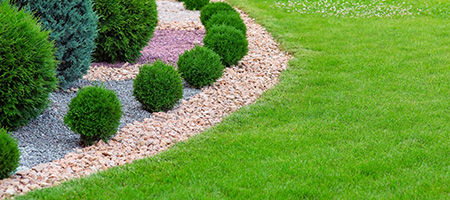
[158, 86]
[9, 154]
[125, 28]
[200, 66]
[212, 8]
[195, 4]
[230, 18]
[27, 67]
[228, 42]
[94, 114]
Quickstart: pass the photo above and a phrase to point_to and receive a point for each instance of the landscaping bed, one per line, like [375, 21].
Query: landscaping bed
[144, 134]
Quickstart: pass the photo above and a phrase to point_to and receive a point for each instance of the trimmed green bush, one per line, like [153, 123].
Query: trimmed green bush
[230, 18]
[9, 154]
[195, 4]
[125, 28]
[94, 114]
[158, 86]
[200, 66]
[228, 42]
[212, 8]
[27, 67]
[73, 26]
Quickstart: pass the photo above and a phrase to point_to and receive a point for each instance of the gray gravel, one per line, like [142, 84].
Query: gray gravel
[46, 138]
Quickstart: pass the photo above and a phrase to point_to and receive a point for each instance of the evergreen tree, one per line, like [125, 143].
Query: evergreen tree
[73, 26]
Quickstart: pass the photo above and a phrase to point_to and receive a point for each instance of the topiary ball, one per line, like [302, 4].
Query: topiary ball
[212, 8]
[228, 42]
[230, 18]
[27, 67]
[125, 28]
[158, 86]
[200, 66]
[9, 154]
[195, 4]
[94, 114]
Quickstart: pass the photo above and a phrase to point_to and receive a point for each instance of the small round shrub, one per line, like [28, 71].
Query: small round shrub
[9, 154]
[158, 86]
[195, 4]
[228, 42]
[230, 18]
[27, 67]
[94, 114]
[212, 8]
[125, 28]
[200, 66]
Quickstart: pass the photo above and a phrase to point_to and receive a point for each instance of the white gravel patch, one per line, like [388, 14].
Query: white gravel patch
[173, 15]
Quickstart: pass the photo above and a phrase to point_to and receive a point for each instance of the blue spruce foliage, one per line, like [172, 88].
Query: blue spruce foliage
[73, 26]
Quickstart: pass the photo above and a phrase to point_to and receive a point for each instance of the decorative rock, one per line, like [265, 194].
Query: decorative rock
[10, 191]
[25, 181]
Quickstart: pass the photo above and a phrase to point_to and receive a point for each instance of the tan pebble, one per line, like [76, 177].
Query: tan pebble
[10, 191]
[24, 181]
[33, 186]
[105, 153]
[39, 168]
[25, 189]
[77, 169]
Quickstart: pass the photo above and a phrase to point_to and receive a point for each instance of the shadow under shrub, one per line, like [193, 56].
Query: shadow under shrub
[158, 86]
[9, 154]
[228, 42]
[200, 66]
[125, 28]
[94, 114]
[27, 67]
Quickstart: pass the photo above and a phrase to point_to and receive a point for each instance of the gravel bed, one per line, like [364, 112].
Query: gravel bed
[174, 11]
[173, 15]
[46, 138]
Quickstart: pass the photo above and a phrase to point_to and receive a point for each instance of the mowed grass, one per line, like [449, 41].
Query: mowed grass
[362, 113]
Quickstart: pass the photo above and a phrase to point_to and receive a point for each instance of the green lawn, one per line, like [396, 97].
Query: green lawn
[363, 112]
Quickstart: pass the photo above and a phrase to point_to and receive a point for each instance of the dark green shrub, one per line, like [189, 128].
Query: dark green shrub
[195, 4]
[73, 26]
[27, 67]
[9, 154]
[20, 4]
[230, 18]
[125, 28]
[200, 66]
[158, 86]
[94, 114]
[228, 42]
[212, 8]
